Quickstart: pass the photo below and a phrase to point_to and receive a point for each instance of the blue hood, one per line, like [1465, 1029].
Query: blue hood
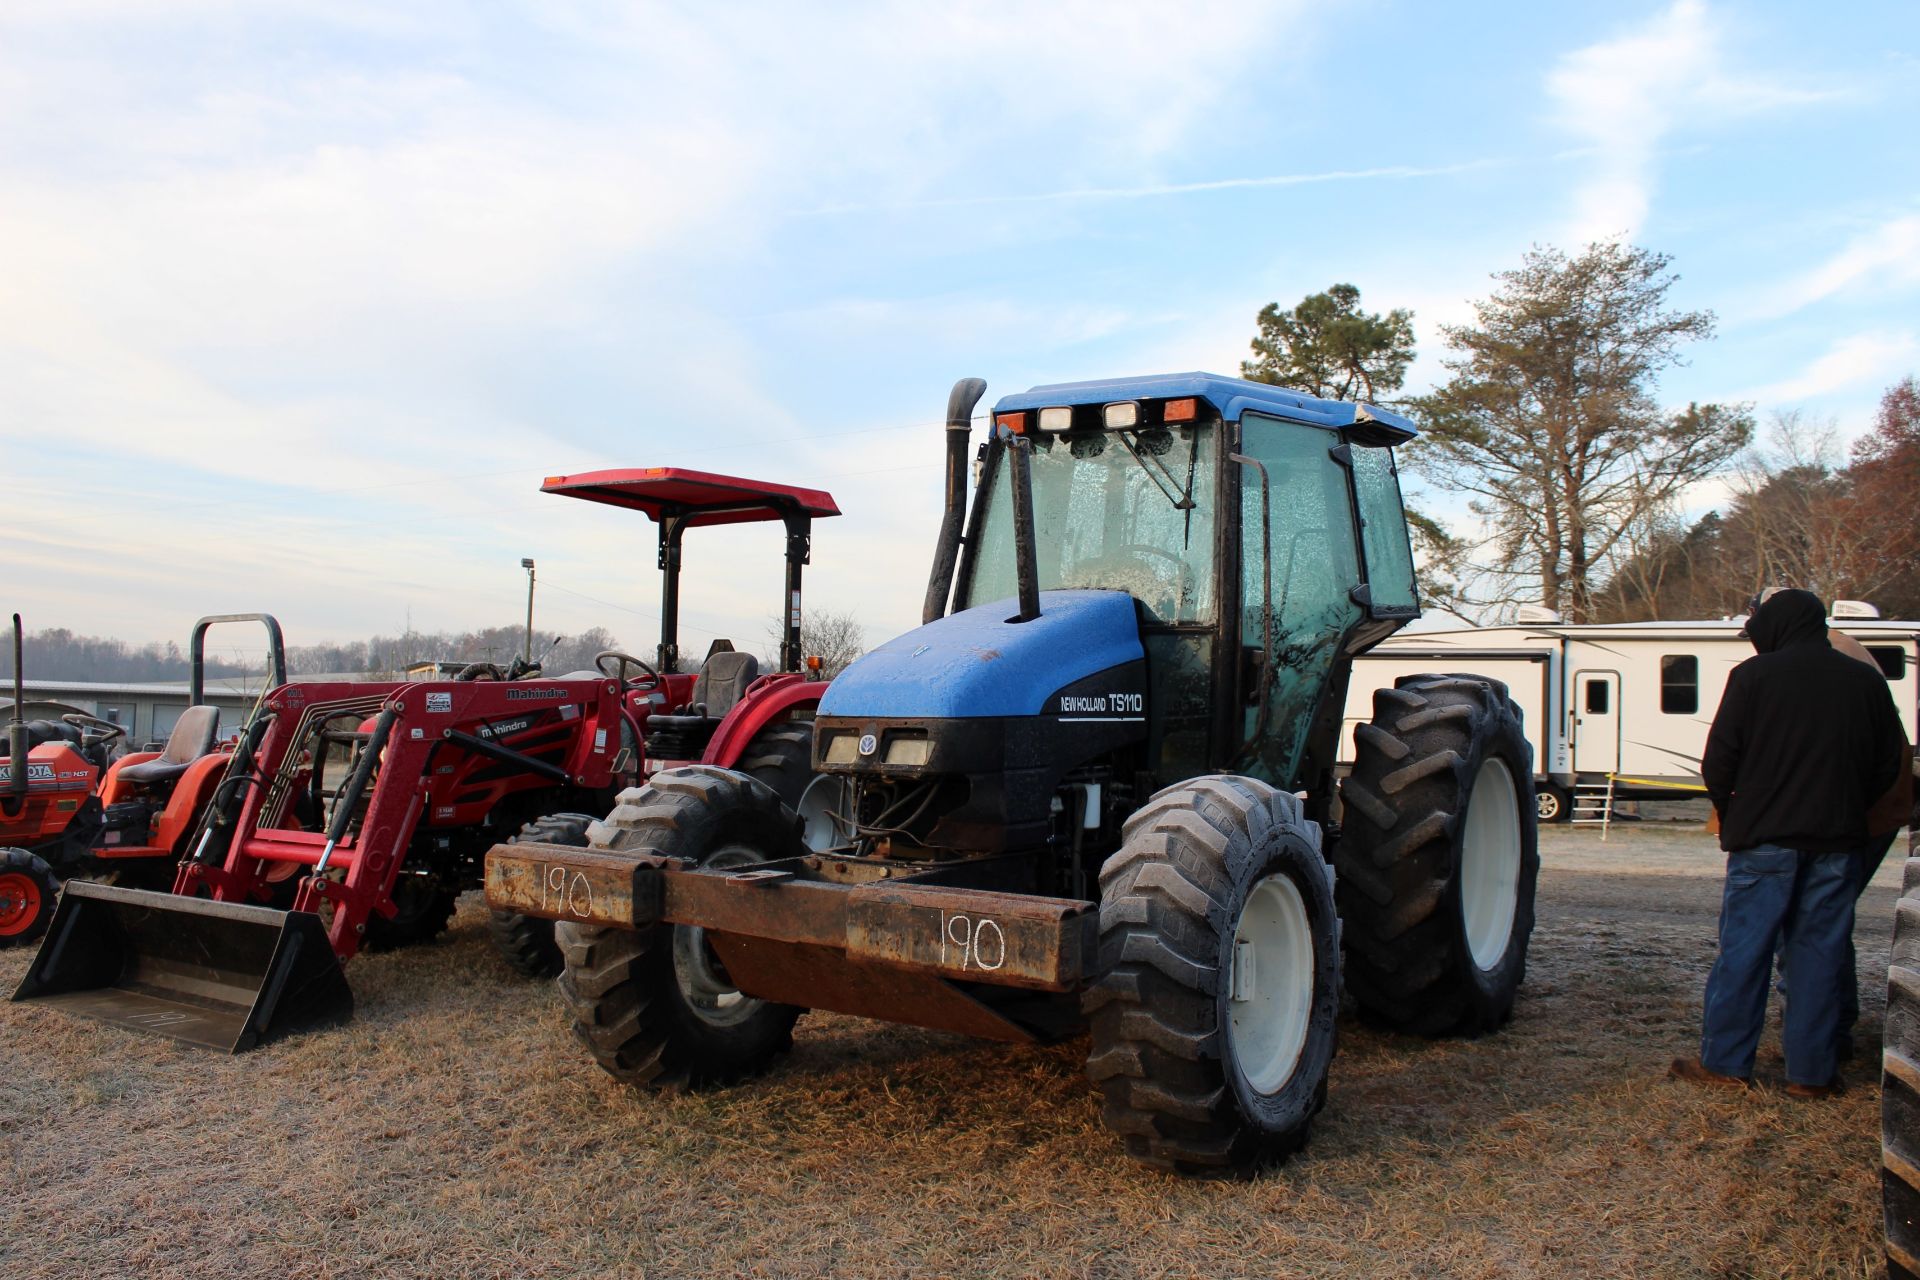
[975, 663]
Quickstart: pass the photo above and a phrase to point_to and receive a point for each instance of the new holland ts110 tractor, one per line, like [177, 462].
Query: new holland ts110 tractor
[1095, 790]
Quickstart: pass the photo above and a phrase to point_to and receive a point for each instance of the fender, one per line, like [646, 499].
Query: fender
[767, 699]
[112, 790]
[176, 821]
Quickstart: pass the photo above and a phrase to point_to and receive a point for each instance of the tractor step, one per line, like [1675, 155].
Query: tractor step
[971, 935]
[221, 974]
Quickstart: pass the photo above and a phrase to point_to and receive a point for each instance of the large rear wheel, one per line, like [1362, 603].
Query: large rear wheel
[526, 942]
[656, 1006]
[781, 756]
[1439, 856]
[28, 894]
[1213, 1018]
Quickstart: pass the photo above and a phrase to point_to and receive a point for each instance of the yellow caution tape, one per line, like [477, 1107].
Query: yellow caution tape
[1655, 782]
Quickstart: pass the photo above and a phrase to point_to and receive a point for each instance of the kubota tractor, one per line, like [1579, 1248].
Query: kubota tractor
[354, 813]
[1097, 791]
[74, 811]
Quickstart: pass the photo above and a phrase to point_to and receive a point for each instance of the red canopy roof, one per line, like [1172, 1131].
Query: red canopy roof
[703, 497]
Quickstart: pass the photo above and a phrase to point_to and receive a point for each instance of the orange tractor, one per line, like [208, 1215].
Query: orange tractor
[353, 814]
[76, 811]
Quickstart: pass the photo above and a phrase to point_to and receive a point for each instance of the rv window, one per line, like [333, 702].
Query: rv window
[1891, 658]
[1679, 684]
[1596, 697]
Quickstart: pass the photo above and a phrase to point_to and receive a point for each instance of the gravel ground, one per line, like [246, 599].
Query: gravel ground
[454, 1127]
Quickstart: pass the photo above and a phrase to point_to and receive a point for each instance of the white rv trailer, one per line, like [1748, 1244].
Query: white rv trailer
[1630, 702]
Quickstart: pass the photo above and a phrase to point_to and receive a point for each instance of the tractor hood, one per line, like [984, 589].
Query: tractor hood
[977, 664]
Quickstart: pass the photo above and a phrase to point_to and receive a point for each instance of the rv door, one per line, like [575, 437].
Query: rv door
[1596, 722]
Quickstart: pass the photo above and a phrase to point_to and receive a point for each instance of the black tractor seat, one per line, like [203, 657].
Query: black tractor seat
[684, 735]
[192, 737]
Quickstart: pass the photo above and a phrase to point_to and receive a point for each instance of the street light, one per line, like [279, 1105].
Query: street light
[528, 566]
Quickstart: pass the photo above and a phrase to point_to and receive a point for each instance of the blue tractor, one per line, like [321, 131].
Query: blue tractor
[1095, 790]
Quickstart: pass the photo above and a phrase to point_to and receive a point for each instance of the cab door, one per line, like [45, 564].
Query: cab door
[1308, 564]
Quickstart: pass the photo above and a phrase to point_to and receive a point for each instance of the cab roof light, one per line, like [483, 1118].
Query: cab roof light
[1058, 418]
[1121, 415]
[1011, 423]
[1183, 410]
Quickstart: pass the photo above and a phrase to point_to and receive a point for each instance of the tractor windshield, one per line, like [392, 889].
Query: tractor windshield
[1124, 510]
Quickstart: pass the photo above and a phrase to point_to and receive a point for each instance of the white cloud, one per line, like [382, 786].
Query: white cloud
[1850, 361]
[1888, 256]
[1623, 98]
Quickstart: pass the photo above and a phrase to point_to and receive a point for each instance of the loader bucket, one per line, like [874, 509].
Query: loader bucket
[226, 975]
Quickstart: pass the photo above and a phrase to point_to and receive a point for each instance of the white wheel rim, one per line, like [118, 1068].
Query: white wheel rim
[820, 830]
[1546, 804]
[1271, 976]
[709, 994]
[1490, 863]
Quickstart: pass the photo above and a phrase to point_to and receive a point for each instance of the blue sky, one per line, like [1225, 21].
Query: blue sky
[298, 303]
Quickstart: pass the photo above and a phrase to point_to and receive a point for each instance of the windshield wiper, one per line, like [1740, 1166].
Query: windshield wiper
[1182, 501]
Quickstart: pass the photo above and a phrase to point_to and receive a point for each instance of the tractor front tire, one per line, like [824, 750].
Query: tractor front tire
[1213, 1018]
[655, 1006]
[526, 942]
[1438, 857]
[1900, 1085]
[29, 891]
[424, 907]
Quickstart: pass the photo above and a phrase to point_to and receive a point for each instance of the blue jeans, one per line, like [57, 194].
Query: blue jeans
[1803, 905]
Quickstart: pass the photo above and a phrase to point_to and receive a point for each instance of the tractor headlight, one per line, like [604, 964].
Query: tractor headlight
[842, 748]
[914, 750]
[1057, 419]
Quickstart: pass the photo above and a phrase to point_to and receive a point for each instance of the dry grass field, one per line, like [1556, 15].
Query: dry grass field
[454, 1129]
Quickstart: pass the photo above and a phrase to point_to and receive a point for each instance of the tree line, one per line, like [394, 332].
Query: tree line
[1548, 427]
[61, 654]
[57, 653]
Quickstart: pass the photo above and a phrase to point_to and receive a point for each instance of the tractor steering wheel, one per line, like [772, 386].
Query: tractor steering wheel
[620, 662]
[94, 731]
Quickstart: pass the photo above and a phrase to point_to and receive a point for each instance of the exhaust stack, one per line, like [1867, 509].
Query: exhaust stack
[960, 402]
[16, 794]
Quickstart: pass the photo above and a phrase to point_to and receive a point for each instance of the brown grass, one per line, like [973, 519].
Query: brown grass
[454, 1128]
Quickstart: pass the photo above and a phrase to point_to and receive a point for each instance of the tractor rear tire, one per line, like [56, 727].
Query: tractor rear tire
[425, 906]
[1439, 857]
[654, 1006]
[1900, 1086]
[1213, 1020]
[781, 756]
[526, 942]
[29, 891]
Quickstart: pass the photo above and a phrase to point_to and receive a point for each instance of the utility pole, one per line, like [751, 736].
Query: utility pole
[528, 566]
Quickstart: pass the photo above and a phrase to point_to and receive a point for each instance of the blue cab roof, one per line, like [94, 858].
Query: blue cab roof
[1231, 396]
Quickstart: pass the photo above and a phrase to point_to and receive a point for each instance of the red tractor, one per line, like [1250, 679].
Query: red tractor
[74, 810]
[354, 814]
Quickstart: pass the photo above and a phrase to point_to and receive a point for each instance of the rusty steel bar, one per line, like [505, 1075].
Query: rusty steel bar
[1002, 939]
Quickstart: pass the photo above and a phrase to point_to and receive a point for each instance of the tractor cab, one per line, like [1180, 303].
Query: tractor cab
[1158, 578]
[682, 711]
[1259, 532]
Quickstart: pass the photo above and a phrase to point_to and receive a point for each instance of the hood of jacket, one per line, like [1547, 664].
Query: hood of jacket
[1786, 618]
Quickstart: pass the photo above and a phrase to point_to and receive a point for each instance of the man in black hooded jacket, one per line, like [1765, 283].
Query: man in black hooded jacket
[1805, 739]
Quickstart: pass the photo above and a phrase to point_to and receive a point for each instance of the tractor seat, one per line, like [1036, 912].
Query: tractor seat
[723, 679]
[192, 737]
